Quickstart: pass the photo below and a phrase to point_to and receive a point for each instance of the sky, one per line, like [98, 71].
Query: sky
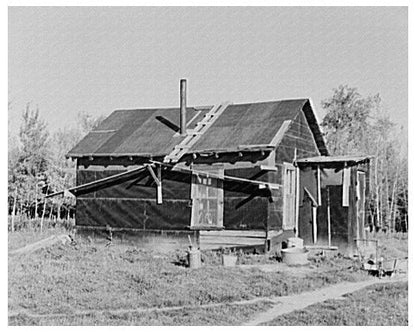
[66, 60]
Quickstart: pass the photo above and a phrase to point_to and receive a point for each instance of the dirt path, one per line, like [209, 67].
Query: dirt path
[282, 304]
[286, 304]
[136, 310]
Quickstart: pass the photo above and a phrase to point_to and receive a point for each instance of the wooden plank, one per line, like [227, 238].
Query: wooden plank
[152, 173]
[74, 190]
[30, 248]
[225, 177]
[193, 118]
[310, 196]
[318, 175]
[231, 238]
[352, 211]
[314, 224]
[297, 201]
[289, 199]
[220, 201]
[159, 187]
[280, 133]
[346, 179]
[235, 233]
[329, 216]
[268, 168]
[103, 131]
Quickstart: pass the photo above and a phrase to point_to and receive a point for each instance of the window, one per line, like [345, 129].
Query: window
[207, 199]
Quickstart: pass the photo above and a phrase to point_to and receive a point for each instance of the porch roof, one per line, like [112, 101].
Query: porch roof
[346, 159]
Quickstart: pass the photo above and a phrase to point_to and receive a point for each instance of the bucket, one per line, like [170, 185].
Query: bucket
[194, 258]
[229, 260]
[295, 256]
[295, 242]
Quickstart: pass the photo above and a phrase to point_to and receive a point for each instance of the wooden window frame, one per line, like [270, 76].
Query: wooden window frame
[218, 172]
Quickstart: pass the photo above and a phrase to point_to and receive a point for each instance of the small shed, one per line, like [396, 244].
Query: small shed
[333, 200]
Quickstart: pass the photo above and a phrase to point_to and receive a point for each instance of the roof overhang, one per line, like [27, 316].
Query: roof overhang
[314, 126]
[206, 152]
[333, 160]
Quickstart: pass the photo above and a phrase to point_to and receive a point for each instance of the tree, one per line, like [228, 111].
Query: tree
[37, 164]
[346, 121]
[87, 122]
[357, 125]
[61, 171]
[28, 160]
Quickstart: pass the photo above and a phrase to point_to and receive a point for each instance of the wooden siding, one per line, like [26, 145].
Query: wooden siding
[299, 136]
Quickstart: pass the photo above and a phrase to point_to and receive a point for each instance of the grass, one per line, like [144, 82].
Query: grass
[91, 276]
[378, 305]
[88, 276]
[27, 236]
[222, 315]
[392, 245]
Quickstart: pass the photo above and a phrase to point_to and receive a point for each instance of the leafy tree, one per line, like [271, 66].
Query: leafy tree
[87, 122]
[28, 160]
[37, 162]
[61, 171]
[346, 122]
[357, 125]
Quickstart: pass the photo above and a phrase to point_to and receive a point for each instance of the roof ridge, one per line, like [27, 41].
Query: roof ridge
[173, 108]
[272, 101]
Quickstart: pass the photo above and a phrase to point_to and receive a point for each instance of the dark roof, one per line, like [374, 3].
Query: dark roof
[333, 159]
[154, 132]
[248, 124]
[146, 132]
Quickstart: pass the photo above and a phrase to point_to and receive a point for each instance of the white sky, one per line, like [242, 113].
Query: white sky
[97, 59]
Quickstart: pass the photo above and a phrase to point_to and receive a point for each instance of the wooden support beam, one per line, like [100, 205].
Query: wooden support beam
[310, 196]
[352, 211]
[315, 224]
[297, 202]
[214, 176]
[91, 185]
[158, 181]
[280, 133]
[159, 187]
[152, 173]
[268, 168]
[318, 175]
[329, 216]
[346, 178]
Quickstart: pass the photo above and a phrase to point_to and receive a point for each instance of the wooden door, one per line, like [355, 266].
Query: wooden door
[289, 196]
[207, 200]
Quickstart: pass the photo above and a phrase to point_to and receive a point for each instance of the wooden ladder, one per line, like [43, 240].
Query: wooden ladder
[192, 136]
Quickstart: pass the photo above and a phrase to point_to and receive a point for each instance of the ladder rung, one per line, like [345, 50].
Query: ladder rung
[193, 132]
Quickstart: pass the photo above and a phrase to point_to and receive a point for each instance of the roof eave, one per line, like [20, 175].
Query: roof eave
[334, 160]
